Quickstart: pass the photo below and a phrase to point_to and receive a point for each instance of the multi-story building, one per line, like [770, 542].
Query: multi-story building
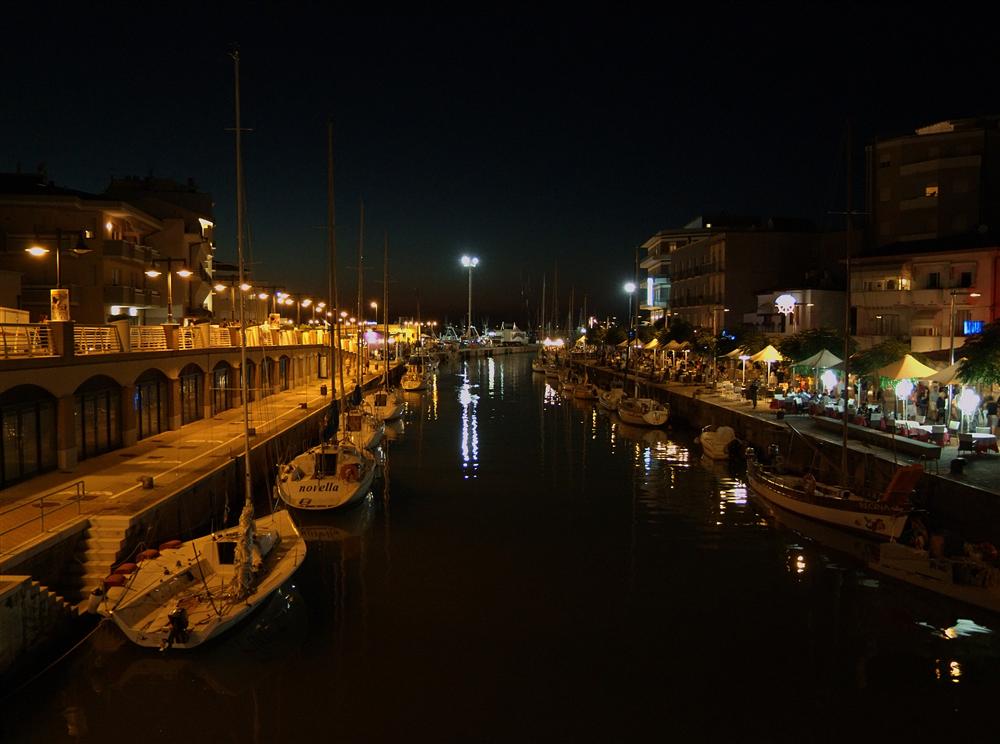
[100, 248]
[938, 182]
[784, 312]
[715, 277]
[656, 286]
[926, 295]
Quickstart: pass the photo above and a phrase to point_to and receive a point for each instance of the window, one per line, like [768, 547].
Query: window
[884, 160]
[931, 190]
[934, 280]
[965, 279]
[116, 277]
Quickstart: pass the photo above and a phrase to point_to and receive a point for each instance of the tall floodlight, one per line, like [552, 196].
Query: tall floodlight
[470, 262]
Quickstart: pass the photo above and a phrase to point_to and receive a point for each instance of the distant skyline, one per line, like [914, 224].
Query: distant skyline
[525, 142]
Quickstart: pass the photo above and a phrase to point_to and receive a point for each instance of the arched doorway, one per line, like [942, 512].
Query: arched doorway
[251, 378]
[28, 441]
[223, 380]
[97, 408]
[151, 403]
[284, 365]
[192, 381]
[267, 377]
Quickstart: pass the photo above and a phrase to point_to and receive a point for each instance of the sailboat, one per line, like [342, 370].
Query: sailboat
[385, 402]
[640, 411]
[191, 592]
[340, 469]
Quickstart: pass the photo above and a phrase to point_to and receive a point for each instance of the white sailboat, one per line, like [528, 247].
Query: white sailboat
[385, 402]
[340, 470]
[196, 590]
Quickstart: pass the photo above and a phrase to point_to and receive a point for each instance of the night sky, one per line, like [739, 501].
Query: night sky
[525, 141]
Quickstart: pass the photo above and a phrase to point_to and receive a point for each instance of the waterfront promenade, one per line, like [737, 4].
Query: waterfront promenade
[112, 483]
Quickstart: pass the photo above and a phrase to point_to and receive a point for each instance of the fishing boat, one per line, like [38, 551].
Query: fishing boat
[643, 411]
[973, 579]
[883, 518]
[717, 443]
[190, 592]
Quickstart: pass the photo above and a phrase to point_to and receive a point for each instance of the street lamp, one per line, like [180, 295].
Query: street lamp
[182, 272]
[470, 262]
[629, 288]
[58, 300]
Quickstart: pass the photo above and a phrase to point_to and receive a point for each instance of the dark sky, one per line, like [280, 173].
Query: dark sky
[525, 141]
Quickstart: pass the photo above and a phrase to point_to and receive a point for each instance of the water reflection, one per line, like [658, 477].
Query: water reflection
[469, 438]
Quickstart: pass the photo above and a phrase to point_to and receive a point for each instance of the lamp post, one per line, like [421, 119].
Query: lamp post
[629, 288]
[182, 272]
[470, 262]
[221, 287]
[59, 304]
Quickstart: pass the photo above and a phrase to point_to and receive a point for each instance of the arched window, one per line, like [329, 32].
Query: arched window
[97, 408]
[192, 381]
[151, 403]
[267, 377]
[223, 381]
[284, 365]
[28, 426]
[251, 381]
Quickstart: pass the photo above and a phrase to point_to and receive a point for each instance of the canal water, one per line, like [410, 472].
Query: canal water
[531, 569]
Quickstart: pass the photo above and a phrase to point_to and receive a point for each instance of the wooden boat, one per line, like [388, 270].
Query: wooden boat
[717, 442]
[643, 411]
[882, 519]
[967, 579]
[192, 593]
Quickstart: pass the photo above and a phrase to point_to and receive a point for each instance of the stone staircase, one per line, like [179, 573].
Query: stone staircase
[98, 551]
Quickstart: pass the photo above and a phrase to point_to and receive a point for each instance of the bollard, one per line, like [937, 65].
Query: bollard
[322, 389]
[958, 466]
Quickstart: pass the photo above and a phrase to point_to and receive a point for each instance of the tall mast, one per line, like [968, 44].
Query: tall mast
[361, 250]
[331, 236]
[847, 315]
[542, 319]
[385, 312]
[244, 382]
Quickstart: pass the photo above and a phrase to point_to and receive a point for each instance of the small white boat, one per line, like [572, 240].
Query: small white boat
[416, 377]
[363, 428]
[192, 593]
[609, 399]
[327, 476]
[643, 411]
[717, 442]
[883, 519]
[386, 405]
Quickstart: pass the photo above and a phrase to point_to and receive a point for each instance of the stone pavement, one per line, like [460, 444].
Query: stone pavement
[111, 483]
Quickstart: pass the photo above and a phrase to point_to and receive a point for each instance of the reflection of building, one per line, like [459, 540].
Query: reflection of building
[938, 182]
[121, 234]
[789, 311]
[909, 295]
[719, 263]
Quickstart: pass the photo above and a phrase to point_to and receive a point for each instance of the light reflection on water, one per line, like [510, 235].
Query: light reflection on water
[604, 584]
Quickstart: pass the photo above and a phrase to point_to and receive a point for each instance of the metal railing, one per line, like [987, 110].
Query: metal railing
[25, 339]
[31, 513]
[147, 338]
[96, 340]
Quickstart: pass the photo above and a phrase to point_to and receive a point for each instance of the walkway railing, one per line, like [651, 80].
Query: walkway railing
[96, 340]
[148, 338]
[28, 339]
[25, 521]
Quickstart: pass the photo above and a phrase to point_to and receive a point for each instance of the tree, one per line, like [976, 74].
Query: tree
[982, 353]
[680, 331]
[806, 343]
[646, 333]
[753, 341]
[596, 335]
[615, 335]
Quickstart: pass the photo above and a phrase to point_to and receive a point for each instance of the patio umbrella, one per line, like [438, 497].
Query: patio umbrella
[949, 375]
[652, 344]
[820, 360]
[905, 369]
[768, 354]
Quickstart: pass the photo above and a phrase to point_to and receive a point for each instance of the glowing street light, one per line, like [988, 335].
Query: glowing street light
[184, 272]
[470, 262]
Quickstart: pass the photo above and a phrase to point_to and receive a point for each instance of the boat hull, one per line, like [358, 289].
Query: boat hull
[874, 519]
[185, 577]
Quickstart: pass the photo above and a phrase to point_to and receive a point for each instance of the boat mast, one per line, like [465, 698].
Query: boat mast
[244, 382]
[336, 351]
[385, 313]
[361, 250]
[847, 318]
[542, 308]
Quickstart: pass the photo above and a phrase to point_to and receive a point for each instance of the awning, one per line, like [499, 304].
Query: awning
[824, 359]
[951, 375]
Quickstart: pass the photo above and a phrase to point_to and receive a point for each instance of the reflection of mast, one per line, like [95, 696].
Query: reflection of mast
[361, 250]
[545, 331]
[385, 312]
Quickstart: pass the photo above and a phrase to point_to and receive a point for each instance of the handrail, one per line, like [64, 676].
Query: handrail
[39, 502]
[96, 339]
[25, 339]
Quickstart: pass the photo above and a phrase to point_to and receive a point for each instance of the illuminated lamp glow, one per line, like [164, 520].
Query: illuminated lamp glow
[245, 287]
[903, 389]
[37, 250]
[785, 303]
[153, 273]
[219, 287]
[829, 380]
[968, 401]
[116, 310]
[184, 273]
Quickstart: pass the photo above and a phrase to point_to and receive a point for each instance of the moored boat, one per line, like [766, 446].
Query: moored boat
[882, 519]
[327, 476]
[717, 443]
[643, 411]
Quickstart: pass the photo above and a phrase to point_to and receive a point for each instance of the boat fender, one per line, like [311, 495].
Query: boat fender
[350, 472]
[170, 545]
[125, 568]
[147, 555]
[115, 579]
[94, 601]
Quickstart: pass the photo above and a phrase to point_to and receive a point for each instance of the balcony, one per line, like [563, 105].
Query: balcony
[127, 250]
[115, 294]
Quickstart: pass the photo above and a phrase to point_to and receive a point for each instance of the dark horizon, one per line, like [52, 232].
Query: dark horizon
[525, 143]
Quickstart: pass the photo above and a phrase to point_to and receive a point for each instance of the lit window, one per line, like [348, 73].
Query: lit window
[931, 190]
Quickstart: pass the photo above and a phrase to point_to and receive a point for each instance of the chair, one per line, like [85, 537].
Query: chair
[965, 443]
